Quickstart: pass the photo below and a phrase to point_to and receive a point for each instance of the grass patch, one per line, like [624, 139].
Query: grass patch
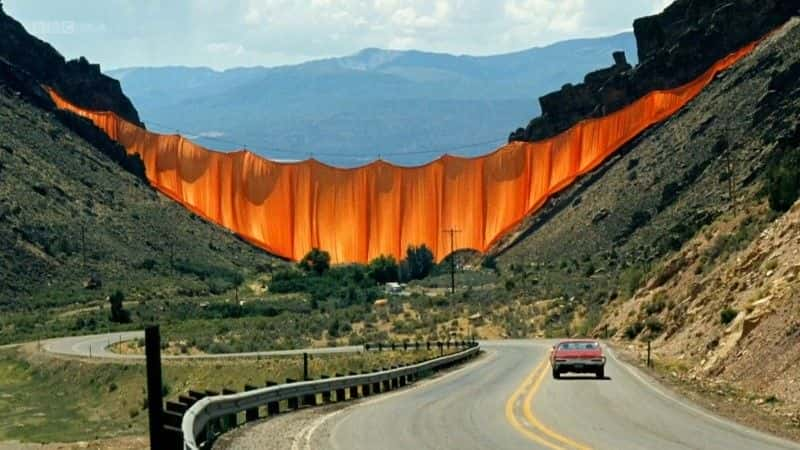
[45, 399]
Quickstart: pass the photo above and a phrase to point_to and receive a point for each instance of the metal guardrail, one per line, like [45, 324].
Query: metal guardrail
[197, 421]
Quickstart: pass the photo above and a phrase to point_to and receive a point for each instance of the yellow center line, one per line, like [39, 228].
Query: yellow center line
[531, 418]
[512, 418]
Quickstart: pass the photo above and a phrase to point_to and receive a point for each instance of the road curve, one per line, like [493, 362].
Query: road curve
[508, 400]
[97, 346]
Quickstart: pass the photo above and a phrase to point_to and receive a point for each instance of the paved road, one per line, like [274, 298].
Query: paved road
[508, 400]
[96, 346]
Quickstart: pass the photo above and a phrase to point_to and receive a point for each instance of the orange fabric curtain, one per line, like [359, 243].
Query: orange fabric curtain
[379, 209]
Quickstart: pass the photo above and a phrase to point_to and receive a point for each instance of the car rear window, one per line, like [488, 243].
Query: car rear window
[578, 346]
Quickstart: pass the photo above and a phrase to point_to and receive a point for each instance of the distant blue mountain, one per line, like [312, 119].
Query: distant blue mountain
[406, 106]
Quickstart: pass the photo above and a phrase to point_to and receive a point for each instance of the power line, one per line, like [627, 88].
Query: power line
[268, 149]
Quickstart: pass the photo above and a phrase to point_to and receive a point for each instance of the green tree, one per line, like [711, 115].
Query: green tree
[784, 187]
[118, 313]
[418, 262]
[383, 269]
[318, 261]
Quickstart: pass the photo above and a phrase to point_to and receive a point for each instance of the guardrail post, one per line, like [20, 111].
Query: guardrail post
[305, 366]
[380, 346]
[155, 389]
[441, 348]
[250, 415]
[230, 421]
[340, 396]
[448, 344]
[327, 394]
[366, 390]
[649, 362]
[310, 399]
[405, 346]
[292, 403]
[353, 389]
[393, 346]
[273, 408]
[416, 345]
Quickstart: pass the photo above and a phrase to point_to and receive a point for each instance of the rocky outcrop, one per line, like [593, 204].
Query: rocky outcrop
[674, 47]
[26, 62]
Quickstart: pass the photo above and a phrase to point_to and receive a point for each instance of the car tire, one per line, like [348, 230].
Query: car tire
[601, 373]
[556, 374]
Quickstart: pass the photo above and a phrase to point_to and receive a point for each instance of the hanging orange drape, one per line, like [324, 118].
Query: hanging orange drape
[379, 209]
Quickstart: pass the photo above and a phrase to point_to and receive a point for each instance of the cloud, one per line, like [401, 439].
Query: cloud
[270, 32]
[225, 48]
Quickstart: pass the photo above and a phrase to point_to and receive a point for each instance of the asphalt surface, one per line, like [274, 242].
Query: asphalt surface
[97, 346]
[508, 400]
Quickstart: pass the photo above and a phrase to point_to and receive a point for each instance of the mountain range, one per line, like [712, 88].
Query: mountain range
[408, 107]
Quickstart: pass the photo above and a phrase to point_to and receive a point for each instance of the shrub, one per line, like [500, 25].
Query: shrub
[317, 261]
[631, 279]
[638, 220]
[633, 330]
[783, 180]
[419, 262]
[383, 269]
[654, 325]
[727, 315]
[118, 313]
[656, 305]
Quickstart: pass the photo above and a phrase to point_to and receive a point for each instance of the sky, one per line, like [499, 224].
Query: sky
[223, 34]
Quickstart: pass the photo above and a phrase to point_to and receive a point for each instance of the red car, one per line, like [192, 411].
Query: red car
[578, 356]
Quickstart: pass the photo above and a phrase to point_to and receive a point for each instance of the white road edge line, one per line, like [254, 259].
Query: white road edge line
[731, 425]
[308, 431]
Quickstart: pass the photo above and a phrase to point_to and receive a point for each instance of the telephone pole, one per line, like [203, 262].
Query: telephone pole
[452, 232]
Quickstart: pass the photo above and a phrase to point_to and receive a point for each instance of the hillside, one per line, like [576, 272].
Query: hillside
[346, 110]
[57, 189]
[77, 219]
[598, 239]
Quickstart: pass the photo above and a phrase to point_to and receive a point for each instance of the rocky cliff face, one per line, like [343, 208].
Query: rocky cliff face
[26, 62]
[674, 47]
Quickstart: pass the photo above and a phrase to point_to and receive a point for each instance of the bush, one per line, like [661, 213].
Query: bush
[418, 263]
[727, 315]
[631, 279]
[783, 180]
[638, 220]
[383, 269]
[656, 305]
[654, 325]
[118, 313]
[633, 330]
[317, 261]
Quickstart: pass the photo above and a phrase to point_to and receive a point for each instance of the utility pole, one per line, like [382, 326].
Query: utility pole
[452, 232]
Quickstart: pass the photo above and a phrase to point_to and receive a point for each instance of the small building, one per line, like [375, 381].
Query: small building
[394, 287]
